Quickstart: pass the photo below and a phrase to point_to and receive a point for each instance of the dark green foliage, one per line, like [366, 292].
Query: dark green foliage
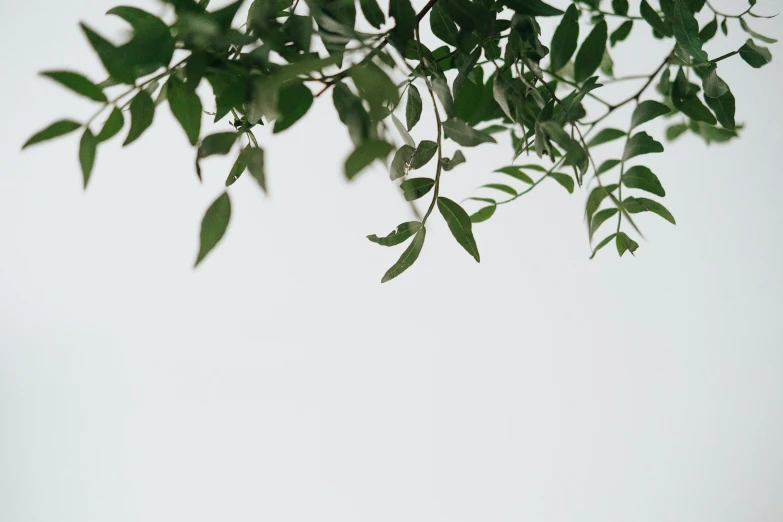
[485, 77]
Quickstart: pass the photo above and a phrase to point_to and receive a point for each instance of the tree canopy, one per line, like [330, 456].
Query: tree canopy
[486, 69]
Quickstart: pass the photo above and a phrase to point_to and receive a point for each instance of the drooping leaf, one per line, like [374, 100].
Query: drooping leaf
[214, 225]
[77, 83]
[621, 33]
[651, 17]
[502, 188]
[675, 131]
[605, 136]
[408, 257]
[401, 162]
[636, 205]
[218, 143]
[423, 154]
[442, 25]
[450, 163]
[565, 39]
[403, 132]
[640, 177]
[237, 169]
[459, 224]
[754, 34]
[605, 241]
[708, 31]
[293, 102]
[142, 112]
[620, 7]
[483, 214]
[686, 31]
[413, 107]
[404, 23]
[755, 55]
[114, 60]
[253, 158]
[375, 87]
[714, 86]
[608, 165]
[597, 195]
[365, 154]
[186, 107]
[646, 111]
[566, 181]
[415, 188]
[591, 52]
[465, 135]
[723, 107]
[600, 218]
[112, 126]
[641, 143]
[397, 236]
[56, 129]
[87, 148]
[441, 88]
[625, 243]
[693, 108]
[372, 13]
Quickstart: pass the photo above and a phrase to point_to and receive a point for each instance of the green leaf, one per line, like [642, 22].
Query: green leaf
[423, 154]
[365, 154]
[152, 45]
[605, 136]
[754, 34]
[293, 102]
[566, 181]
[214, 225]
[459, 224]
[608, 165]
[449, 164]
[692, 107]
[755, 55]
[87, 148]
[620, 7]
[403, 132]
[113, 59]
[597, 195]
[218, 143]
[641, 143]
[600, 218]
[56, 129]
[646, 111]
[516, 173]
[642, 178]
[724, 108]
[408, 257]
[532, 7]
[686, 31]
[709, 31]
[112, 126]
[565, 39]
[236, 170]
[142, 112]
[675, 131]
[299, 29]
[441, 89]
[652, 18]
[186, 107]
[501, 187]
[415, 188]
[397, 236]
[625, 243]
[77, 83]
[636, 205]
[591, 52]
[253, 158]
[605, 241]
[443, 26]
[372, 13]
[401, 162]
[483, 214]
[375, 87]
[621, 33]
[714, 86]
[463, 134]
[413, 108]
[404, 23]
[468, 15]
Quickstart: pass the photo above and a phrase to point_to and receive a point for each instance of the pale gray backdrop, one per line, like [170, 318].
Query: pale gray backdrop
[281, 382]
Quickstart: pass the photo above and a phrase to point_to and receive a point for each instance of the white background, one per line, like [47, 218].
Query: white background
[280, 381]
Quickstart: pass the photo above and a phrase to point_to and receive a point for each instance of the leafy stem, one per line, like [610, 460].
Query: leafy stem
[439, 166]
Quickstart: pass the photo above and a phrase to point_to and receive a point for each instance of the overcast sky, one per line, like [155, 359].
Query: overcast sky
[281, 381]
